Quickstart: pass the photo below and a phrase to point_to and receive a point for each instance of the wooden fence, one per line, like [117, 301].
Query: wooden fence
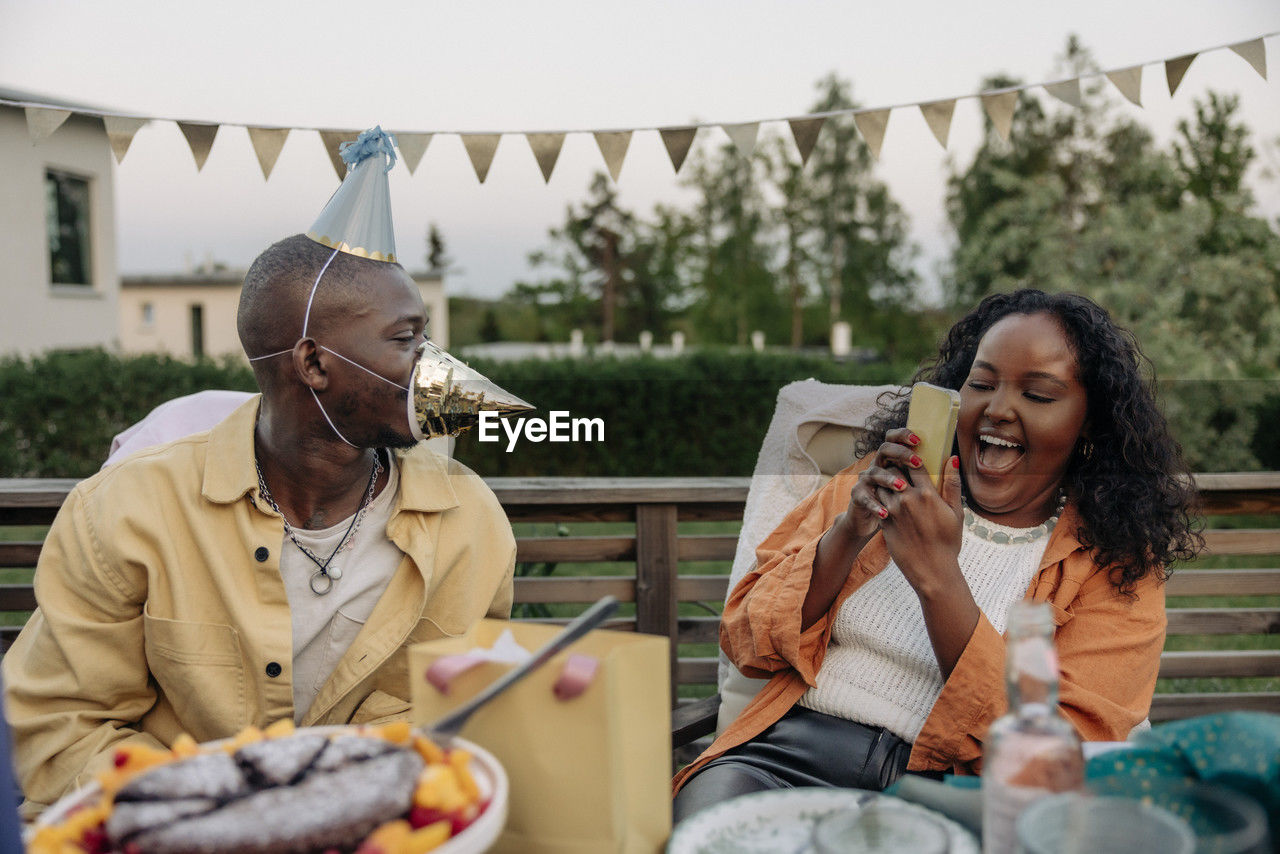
[659, 572]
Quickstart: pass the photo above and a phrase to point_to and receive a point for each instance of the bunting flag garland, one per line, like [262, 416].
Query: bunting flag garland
[546, 150]
[43, 120]
[200, 137]
[1255, 53]
[333, 140]
[1175, 69]
[1000, 107]
[872, 126]
[480, 148]
[744, 137]
[613, 145]
[267, 143]
[412, 146]
[1129, 82]
[1066, 91]
[937, 114]
[678, 141]
[120, 131]
[805, 132]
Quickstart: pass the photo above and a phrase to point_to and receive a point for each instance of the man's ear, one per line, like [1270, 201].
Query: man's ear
[307, 364]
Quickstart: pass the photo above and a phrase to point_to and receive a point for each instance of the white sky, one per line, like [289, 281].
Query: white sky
[561, 65]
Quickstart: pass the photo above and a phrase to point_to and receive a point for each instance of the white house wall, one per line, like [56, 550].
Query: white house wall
[37, 315]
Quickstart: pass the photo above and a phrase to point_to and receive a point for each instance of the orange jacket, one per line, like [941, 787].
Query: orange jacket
[1108, 644]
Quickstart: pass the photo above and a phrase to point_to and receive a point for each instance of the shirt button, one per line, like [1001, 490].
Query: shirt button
[261, 554]
[273, 669]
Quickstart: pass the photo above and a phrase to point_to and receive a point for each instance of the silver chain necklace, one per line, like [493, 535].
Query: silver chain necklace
[326, 573]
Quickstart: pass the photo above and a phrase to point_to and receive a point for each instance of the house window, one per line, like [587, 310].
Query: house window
[67, 219]
[197, 331]
[148, 314]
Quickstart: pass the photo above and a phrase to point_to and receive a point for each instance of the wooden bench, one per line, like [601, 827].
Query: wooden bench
[662, 566]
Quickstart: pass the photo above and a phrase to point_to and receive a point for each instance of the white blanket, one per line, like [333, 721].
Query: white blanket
[797, 457]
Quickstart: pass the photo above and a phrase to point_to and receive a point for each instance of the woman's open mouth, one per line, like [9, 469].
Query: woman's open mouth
[997, 455]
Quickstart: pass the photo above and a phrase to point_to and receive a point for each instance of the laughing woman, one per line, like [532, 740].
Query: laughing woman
[878, 606]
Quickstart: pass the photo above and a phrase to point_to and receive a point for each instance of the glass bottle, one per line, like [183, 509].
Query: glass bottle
[1032, 751]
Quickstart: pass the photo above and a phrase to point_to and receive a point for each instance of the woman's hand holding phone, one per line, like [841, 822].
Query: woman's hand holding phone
[912, 492]
[886, 477]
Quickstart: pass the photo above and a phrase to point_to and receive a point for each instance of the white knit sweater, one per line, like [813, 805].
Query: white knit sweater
[880, 668]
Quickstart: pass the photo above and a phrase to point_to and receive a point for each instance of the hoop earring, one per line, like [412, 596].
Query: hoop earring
[1086, 449]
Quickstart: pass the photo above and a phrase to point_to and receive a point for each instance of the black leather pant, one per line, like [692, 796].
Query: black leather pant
[805, 748]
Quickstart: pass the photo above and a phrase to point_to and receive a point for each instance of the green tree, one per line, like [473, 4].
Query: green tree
[1164, 239]
[587, 255]
[609, 269]
[794, 217]
[862, 250]
[733, 284]
[438, 259]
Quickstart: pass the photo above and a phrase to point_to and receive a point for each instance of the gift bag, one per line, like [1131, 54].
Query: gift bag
[589, 773]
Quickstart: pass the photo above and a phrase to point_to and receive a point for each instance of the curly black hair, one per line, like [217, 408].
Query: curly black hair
[1135, 496]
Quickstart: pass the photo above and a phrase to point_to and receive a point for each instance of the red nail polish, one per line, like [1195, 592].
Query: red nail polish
[955, 462]
[916, 462]
[882, 513]
[913, 439]
[899, 484]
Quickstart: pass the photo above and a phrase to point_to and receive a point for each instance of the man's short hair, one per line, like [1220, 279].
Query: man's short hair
[273, 300]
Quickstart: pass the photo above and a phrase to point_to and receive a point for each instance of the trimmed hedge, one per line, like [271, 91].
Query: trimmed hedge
[699, 415]
[59, 411]
[704, 414]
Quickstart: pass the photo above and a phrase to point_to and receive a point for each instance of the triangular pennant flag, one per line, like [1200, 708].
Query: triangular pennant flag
[1129, 82]
[1000, 107]
[937, 114]
[480, 148]
[743, 136]
[332, 140]
[1175, 69]
[120, 131]
[267, 143]
[678, 142]
[412, 146]
[200, 137]
[613, 145]
[42, 122]
[805, 132]
[546, 150]
[1255, 53]
[1066, 91]
[872, 126]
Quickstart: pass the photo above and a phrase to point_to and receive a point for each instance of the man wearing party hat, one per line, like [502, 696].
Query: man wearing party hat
[277, 565]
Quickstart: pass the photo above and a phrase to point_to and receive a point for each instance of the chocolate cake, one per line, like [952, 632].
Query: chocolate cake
[293, 795]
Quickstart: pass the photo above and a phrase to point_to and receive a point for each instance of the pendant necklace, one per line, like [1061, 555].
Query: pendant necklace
[326, 573]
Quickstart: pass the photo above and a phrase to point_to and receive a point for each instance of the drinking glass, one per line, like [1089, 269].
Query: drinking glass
[1072, 822]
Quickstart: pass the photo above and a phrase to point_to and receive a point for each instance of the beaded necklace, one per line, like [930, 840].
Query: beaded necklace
[989, 531]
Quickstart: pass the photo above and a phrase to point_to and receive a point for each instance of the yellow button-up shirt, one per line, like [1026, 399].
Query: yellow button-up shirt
[162, 609]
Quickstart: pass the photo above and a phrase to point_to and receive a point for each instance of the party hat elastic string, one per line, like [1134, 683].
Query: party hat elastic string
[306, 317]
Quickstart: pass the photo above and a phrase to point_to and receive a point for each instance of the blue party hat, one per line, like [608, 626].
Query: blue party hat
[357, 219]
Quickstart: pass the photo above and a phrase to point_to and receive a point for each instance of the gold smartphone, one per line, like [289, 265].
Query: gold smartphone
[932, 416]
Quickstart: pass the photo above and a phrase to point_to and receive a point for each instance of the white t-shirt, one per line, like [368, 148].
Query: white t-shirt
[324, 626]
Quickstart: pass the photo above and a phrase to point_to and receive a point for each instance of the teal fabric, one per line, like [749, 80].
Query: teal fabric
[1239, 750]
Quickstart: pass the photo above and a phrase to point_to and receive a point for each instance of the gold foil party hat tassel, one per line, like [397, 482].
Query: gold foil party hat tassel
[447, 397]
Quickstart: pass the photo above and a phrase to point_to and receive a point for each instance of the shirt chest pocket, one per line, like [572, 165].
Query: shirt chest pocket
[200, 672]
